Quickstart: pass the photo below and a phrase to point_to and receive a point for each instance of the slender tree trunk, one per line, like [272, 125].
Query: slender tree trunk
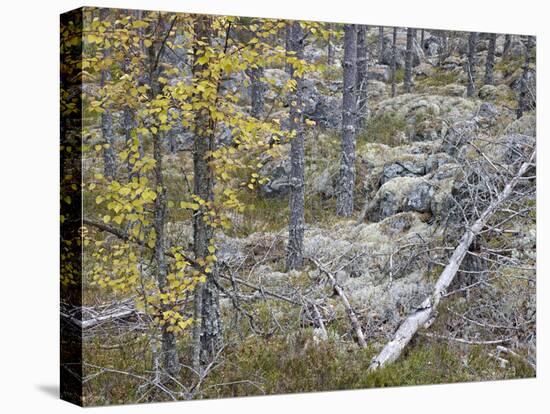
[287, 45]
[362, 82]
[408, 83]
[344, 202]
[295, 247]
[330, 46]
[169, 356]
[471, 65]
[507, 44]
[207, 333]
[128, 125]
[109, 155]
[422, 38]
[443, 48]
[380, 44]
[394, 63]
[490, 61]
[523, 87]
[257, 91]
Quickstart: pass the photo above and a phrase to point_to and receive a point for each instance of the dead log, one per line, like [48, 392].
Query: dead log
[425, 314]
[349, 310]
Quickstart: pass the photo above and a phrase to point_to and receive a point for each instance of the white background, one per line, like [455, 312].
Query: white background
[29, 204]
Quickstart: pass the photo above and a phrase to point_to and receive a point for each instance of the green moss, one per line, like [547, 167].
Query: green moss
[440, 77]
[383, 129]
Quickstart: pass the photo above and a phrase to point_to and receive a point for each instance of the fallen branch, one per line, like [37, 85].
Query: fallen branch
[340, 292]
[90, 323]
[503, 349]
[468, 341]
[423, 315]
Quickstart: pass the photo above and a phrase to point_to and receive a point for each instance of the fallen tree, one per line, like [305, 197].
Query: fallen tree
[423, 316]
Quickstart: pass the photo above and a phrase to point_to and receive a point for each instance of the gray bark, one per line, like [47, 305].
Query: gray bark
[380, 44]
[169, 356]
[330, 46]
[423, 315]
[422, 38]
[361, 84]
[394, 63]
[207, 335]
[490, 61]
[471, 64]
[523, 92]
[295, 247]
[444, 50]
[408, 83]
[128, 125]
[344, 202]
[257, 91]
[109, 156]
[507, 44]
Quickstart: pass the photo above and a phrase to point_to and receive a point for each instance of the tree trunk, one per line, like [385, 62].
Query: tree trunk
[409, 61]
[362, 82]
[344, 202]
[394, 63]
[490, 61]
[257, 91]
[507, 44]
[426, 312]
[380, 44]
[207, 335]
[169, 356]
[109, 156]
[523, 89]
[295, 247]
[330, 46]
[422, 38]
[471, 65]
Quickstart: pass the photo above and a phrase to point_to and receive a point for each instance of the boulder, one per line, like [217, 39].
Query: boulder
[454, 89]
[424, 70]
[526, 125]
[376, 90]
[432, 46]
[399, 195]
[323, 109]
[278, 176]
[379, 73]
[426, 115]
[412, 166]
[487, 92]
[458, 135]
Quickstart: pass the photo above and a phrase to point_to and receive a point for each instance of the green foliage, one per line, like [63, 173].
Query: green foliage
[383, 129]
[440, 77]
